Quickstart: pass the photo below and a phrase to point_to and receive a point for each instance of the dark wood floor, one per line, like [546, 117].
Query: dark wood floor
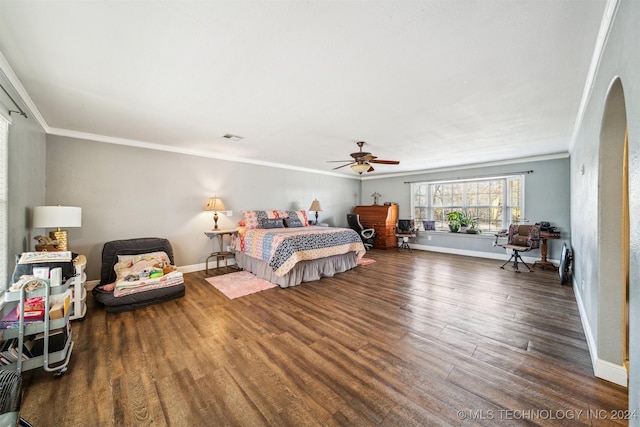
[414, 339]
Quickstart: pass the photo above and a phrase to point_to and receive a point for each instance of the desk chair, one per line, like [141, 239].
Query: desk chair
[366, 234]
[521, 238]
[405, 229]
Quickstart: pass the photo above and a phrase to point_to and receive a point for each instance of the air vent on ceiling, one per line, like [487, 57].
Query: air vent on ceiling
[233, 137]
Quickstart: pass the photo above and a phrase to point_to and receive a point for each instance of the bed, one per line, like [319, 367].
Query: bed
[281, 247]
[130, 275]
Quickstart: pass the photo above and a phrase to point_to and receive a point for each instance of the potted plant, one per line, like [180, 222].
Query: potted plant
[473, 229]
[455, 219]
[461, 221]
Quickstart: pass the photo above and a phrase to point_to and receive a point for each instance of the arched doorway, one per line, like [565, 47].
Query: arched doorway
[626, 252]
[613, 230]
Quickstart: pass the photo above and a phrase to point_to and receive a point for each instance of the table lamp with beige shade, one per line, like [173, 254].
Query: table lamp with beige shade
[216, 205]
[315, 206]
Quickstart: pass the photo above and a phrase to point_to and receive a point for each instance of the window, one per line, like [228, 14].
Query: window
[494, 203]
[4, 202]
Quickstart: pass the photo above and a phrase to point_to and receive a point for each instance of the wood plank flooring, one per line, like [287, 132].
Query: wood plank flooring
[413, 339]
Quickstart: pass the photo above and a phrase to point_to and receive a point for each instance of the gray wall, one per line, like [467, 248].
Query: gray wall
[26, 176]
[595, 249]
[547, 195]
[127, 192]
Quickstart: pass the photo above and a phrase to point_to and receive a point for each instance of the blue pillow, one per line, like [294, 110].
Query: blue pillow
[271, 223]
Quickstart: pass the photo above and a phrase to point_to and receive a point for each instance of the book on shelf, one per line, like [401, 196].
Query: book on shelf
[9, 351]
[57, 341]
[60, 305]
[44, 256]
[34, 304]
[12, 318]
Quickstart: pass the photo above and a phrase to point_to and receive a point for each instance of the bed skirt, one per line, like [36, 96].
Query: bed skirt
[304, 271]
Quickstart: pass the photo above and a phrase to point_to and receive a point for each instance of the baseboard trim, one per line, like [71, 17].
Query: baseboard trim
[616, 374]
[90, 284]
[478, 254]
[603, 369]
[202, 266]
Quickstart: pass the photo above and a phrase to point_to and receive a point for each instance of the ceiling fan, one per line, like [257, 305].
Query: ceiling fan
[362, 161]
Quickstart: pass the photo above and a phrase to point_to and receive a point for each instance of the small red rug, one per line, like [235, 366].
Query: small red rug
[239, 284]
[366, 261]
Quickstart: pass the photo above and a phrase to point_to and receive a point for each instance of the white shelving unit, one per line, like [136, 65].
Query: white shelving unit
[55, 361]
[79, 290]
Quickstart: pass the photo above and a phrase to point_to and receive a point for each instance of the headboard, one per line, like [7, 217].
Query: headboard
[141, 245]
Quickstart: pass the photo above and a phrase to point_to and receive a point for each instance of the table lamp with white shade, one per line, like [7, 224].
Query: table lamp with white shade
[57, 217]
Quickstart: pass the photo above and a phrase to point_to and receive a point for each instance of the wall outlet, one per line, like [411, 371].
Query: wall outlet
[229, 213]
[429, 237]
[582, 285]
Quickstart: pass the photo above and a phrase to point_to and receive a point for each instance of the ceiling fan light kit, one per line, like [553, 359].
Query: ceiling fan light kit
[360, 167]
[362, 161]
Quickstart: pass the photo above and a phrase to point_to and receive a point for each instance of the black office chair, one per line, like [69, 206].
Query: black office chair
[366, 234]
[521, 238]
[405, 230]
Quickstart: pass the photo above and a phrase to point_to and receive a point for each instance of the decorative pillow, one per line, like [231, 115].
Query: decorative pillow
[271, 223]
[252, 218]
[128, 264]
[300, 216]
[132, 259]
[293, 222]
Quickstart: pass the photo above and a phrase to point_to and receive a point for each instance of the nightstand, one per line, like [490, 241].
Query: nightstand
[221, 254]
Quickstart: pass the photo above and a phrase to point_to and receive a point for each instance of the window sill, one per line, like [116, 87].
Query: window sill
[485, 234]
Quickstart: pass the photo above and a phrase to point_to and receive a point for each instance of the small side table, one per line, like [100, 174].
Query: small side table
[544, 250]
[221, 254]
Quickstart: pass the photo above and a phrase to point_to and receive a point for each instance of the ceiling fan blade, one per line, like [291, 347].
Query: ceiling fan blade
[347, 164]
[385, 162]
[362, 159]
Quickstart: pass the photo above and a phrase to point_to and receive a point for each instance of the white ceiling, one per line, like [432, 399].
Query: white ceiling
[430, 83]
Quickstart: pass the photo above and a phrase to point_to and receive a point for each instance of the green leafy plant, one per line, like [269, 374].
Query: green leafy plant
[455, 219]
[460, 219]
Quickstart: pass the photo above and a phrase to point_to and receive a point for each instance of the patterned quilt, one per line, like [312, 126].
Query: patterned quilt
[282, 248]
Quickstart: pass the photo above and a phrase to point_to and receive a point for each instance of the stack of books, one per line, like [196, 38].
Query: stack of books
[33, 312]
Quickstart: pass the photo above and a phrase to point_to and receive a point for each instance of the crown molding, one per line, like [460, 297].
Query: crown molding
[545, 157]
[160, 147]
[13, 79]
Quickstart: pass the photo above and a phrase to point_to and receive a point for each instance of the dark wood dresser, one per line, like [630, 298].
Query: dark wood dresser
[383, 219]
